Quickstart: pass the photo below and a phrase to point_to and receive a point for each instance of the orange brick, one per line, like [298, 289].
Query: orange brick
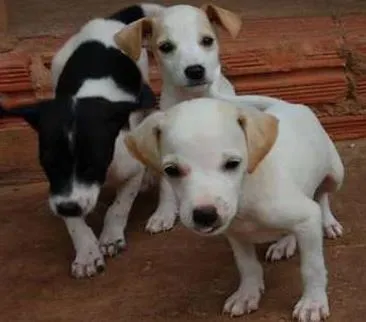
[354, 29]
[282, 44]
[319, 86]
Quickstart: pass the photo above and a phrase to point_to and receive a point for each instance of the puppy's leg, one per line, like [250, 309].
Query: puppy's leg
[164, 217]
[313, 305]
[283, 248]
[89, 260]
[286, 246]
[246, 298]
[112, 239]
[332, 228]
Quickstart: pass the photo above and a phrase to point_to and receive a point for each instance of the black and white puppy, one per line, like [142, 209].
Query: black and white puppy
[100, 93]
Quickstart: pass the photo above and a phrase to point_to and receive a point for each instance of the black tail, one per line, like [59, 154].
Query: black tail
[136, 12]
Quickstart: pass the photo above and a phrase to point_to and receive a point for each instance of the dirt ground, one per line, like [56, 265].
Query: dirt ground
[37, 17]
[175, 276]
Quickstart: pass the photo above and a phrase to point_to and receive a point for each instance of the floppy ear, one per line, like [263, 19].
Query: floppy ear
[144, 140]
[261, 131]
[224, 18]
[30, 113]
[130, 38]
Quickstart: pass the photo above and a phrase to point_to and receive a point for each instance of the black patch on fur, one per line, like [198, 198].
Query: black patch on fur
[128, 15]
[92, 60]
[93, 122]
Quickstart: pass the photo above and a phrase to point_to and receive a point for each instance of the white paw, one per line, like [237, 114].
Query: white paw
[283, 248]
[244, 300]
[112, 241]
[88, 262]
[313, 308]
[161, 221]
[333, 229]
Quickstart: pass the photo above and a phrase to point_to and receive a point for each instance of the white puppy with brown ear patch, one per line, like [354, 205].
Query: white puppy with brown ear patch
[185, 45]
[252, 176]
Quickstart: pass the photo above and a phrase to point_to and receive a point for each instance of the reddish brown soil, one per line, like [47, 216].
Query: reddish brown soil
[34, 17]
[175, 276]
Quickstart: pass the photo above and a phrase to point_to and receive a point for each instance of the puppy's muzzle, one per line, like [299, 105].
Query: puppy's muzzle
[195, 74]
[69, 209]
[206, 219]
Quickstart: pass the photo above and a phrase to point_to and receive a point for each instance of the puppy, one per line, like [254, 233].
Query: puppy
[185, 44]
[285, 247]
[252, 176]
[99, 92]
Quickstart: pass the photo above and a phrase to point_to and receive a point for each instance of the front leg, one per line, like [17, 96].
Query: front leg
[313, 305]
[246, 298]
[164, 216]
[112, 238]
[89, 260]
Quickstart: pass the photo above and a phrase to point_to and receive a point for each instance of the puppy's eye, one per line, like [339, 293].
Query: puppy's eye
[173, 171]
[231, 165]
[207, 41]
[166, 47]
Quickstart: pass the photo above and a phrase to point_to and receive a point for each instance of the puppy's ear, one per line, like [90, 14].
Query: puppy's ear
[130, 38]
[30, 113]
[144, 140]
[224, 18]
[261, 131]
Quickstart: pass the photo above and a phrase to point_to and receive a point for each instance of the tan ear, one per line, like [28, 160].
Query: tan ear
[225, 18]
[143, 141]
[130, 38]
[261, 131]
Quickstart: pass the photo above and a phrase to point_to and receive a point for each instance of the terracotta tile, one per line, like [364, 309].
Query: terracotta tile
[14, 72]
[270, 45]
[308, 86]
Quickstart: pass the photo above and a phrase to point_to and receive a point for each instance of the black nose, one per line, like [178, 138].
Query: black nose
[69, 209]
[195, 72]
[205, 216]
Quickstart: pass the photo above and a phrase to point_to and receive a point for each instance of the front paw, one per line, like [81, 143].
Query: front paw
[333, 229]
[112, 242]
[312, 308]
[161, 221]
[283, 248]
[88, 262]
[245, 299]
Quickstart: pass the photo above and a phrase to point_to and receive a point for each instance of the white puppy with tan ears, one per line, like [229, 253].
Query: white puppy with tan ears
[253, 176]
[185, 45]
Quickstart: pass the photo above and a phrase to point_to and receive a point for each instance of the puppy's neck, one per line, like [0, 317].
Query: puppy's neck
[172, 95]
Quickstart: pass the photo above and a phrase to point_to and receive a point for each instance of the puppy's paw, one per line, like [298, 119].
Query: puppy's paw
[312, 308]
[333, 229]
[88, 262]
[283, 248]
[161, 221]
[244, 300]
[112, 241]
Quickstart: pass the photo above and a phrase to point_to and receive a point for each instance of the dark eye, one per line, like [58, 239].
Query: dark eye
[173, 171]
[231, 165]
[207, 41]
[166, 47]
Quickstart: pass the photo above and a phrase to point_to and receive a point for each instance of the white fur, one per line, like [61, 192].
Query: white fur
[124, 170]
[184, 25]
[104, 87]
[88, 255]
[276, 198]
[84, 195]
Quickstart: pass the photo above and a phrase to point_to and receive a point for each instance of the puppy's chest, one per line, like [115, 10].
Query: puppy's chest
[247, 229]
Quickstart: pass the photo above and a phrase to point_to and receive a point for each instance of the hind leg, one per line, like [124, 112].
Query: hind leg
[332, 228]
